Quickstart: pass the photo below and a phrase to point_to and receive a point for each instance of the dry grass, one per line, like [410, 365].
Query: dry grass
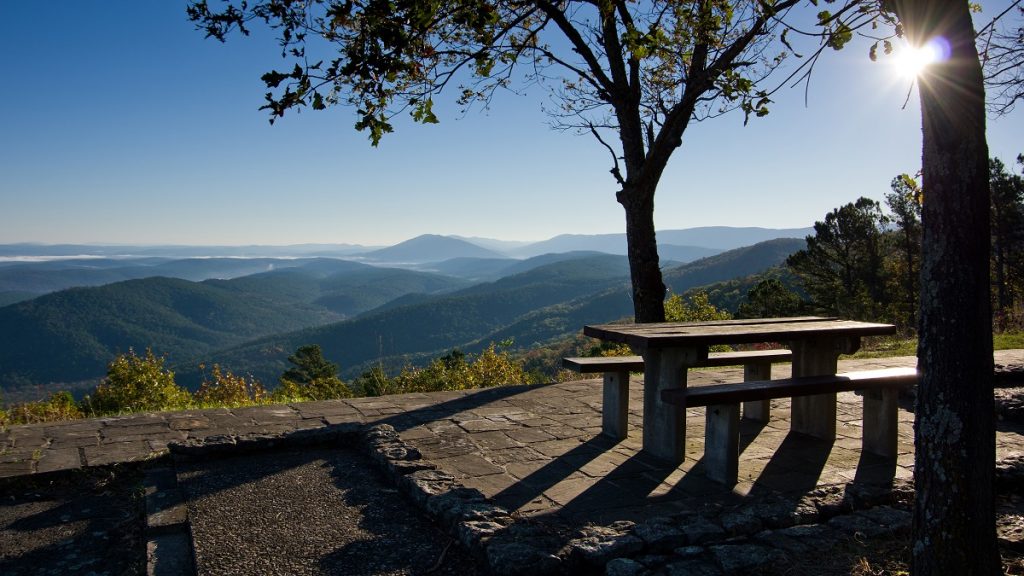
[875, 557]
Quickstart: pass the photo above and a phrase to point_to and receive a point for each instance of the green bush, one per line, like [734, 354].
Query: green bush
[311, 377]
[453, 371]
[135, 384]
[375, 382]
[59, 406]
[228, 390]
[696, 308]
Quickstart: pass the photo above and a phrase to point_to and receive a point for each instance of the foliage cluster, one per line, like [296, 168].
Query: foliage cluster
[695, 308]
[229, 390]
[311, 377]
[58, 406]
[453, 371]
[137, 383]
[864, 263]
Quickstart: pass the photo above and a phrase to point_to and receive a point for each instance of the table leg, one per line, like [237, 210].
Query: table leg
[816, 415]
[665, 424]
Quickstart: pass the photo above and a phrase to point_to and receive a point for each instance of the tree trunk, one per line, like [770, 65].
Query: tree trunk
[954, 432]
[644, 267]
[1000, 266]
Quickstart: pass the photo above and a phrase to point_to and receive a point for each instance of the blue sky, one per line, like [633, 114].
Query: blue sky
[122, 124]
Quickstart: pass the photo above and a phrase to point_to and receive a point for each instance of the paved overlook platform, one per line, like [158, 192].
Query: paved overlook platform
[529, 454]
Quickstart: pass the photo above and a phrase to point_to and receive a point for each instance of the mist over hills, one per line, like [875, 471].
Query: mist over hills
[31, 249]
[36, 269]
[249, 314]
[49, 276]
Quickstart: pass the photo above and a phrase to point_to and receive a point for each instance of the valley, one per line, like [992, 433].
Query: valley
[382, 307]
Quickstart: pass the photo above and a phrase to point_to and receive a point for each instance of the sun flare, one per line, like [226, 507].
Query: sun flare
[911, 61]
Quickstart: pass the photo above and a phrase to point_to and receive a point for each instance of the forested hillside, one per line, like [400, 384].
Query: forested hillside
[432, 325]
[360, 315]
[738, 263]
[71, 335]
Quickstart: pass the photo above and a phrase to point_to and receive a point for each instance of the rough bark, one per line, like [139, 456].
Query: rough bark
[954, 516]
[644, 266]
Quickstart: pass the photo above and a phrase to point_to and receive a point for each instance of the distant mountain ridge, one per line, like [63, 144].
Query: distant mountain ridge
[30, 249]
[430, 248]
[718, 238]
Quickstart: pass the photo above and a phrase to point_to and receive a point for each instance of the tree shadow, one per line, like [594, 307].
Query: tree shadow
[795, 466]
[85, 524]
[394, 537]
[468, 400]
[875, 470]
[555, 471]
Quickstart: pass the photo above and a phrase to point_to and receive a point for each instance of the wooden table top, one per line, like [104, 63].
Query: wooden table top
[687, 334]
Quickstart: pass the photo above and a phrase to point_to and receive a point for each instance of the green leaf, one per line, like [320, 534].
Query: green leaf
[273, 78]
[423, 112]
[840, 36]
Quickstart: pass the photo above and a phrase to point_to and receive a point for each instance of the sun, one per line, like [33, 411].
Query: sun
[910, 61]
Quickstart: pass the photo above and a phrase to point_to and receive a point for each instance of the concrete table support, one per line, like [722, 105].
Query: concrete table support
[816, 415]
[665, 424]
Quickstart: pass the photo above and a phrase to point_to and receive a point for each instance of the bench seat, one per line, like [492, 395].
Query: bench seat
[721, 447]
[757, 365]
[789, 387]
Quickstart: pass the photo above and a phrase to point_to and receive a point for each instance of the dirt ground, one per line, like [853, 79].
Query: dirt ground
[294, 512]
[310, 512]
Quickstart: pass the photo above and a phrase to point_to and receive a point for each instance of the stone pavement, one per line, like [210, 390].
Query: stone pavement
[532, 454]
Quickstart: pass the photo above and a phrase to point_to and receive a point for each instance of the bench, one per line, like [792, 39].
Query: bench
[757, 365]
[880, 389]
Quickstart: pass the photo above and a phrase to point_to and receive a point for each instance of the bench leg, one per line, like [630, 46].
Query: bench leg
[881, 422]
[757, 410]
[722, 443]
[615, 405]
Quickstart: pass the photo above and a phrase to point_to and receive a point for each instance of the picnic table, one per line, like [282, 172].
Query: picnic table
[670, 349]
